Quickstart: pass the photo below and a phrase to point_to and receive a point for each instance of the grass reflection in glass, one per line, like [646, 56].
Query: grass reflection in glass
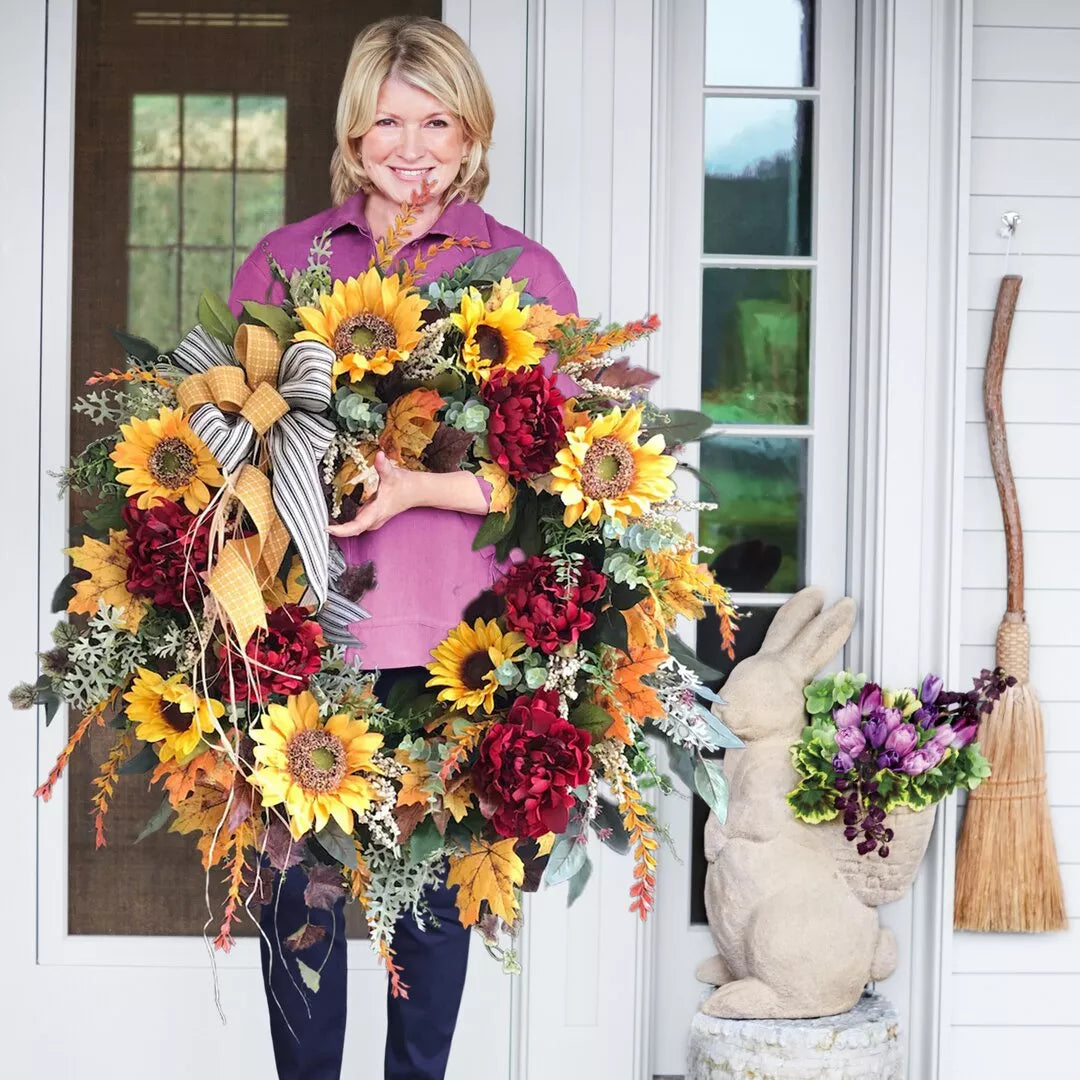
[758, 531]
[755, 345]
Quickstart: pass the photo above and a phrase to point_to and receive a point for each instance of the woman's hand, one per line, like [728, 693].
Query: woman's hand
[401, 489]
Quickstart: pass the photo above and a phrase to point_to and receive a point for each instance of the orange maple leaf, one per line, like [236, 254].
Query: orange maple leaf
[204, 810]
[488, 872]
[108, 566]
[180, 780]
[410, 426]
[633, 699]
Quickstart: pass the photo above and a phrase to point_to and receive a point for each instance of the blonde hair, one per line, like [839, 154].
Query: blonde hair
[426, 54]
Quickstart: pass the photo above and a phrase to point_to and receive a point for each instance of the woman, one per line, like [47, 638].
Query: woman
[413, 107]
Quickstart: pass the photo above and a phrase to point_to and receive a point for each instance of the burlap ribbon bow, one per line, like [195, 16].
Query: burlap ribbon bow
[252, 399]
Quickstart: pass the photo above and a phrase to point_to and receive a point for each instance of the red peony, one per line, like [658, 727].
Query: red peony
[528, 766]
[525, 429]
[548, 612]
[166, 553]
[279, 658]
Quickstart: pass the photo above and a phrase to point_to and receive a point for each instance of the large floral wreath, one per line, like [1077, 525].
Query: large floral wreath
[215, 614]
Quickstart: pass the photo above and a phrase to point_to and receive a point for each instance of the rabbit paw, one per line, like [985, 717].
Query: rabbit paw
[714, 971]
[744, 999]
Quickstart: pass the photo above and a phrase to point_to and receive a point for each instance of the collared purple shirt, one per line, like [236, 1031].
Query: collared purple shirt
[425, 569]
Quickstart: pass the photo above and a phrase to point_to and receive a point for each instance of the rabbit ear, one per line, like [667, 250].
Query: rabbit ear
[792, 619]
[822, 639]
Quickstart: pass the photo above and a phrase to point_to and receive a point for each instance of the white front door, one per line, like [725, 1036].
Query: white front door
[758, 216]
[83, 996]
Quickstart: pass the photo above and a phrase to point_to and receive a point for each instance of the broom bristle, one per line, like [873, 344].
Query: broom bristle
[1007, 875]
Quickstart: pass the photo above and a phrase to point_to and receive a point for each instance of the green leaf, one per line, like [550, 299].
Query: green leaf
[721, 733]
[216, 318]
[493, 266]
[66, 590]
[425, 840]
[404, 691]
[678, 426]
[143, 352]
[309, 975]
[610, 628]
[610, 820]
[579, 881]
[284, 326]
[337, 844]
[567, 858]
[494, 527]
[157, 819]
[681, 763]
[712, 786]
[591, 718]
[683, 653]
[145, 760]
[51, 700]
[812, 804]
[105, 516]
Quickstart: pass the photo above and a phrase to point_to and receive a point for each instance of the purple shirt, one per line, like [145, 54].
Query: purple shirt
[425, 569]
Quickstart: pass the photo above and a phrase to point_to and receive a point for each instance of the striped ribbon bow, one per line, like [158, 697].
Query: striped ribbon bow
[250, 395]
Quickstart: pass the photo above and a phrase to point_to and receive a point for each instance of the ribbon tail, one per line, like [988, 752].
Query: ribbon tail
[335, 616]
[200, 351]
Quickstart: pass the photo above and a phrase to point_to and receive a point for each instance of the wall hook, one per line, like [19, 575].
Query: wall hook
[1009, 221]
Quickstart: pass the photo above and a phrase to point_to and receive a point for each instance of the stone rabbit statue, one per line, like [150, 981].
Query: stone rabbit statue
[794, 939]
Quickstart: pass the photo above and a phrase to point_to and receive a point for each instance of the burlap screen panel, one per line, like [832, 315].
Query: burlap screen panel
[225, 48]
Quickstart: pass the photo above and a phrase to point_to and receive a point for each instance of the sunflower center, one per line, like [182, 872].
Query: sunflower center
[608, 469]
[316, 760]
[365, 333]
[490, 343]
[172, 463]
[172, 714]
[474, 670]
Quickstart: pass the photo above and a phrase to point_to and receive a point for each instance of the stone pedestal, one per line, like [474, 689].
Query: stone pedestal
[862, 1044]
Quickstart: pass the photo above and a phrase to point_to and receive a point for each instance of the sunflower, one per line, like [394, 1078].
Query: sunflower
[169, 712]
[603, 471]
[495, 338]
[314, 767]
[466, 660]
[163, 458]
[370, 322]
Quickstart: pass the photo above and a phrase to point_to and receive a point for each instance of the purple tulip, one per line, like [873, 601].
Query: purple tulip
[944, 735]
[869, 699]
[919, 761]
[964, 732]
[851, 740]
[876, 731]
[924, 717]
[843, 763]
[845, 716]
[903, 739]
[893, 718]
[888, 759]
[931, 687]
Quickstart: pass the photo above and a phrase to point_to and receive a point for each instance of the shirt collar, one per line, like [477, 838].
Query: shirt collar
[461, 218]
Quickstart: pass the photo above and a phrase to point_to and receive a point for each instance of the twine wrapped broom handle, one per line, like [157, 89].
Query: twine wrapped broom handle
[1013, 643]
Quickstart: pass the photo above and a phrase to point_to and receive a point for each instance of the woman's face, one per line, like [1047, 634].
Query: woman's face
[413, 137]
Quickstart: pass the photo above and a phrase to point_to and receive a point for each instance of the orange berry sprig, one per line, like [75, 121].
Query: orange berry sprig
[578, 341]
[105, 782]
[400, 228]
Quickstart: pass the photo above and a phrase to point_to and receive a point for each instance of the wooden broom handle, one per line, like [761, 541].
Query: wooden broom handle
[1008, 291]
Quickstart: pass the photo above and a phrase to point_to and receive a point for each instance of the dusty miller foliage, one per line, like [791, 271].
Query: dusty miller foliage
[397, 885]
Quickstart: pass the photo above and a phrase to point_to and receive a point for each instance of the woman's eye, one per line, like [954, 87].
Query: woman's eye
[440, 123]
[383, 122]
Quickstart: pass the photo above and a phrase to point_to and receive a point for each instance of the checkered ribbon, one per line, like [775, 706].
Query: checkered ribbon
[252, 398]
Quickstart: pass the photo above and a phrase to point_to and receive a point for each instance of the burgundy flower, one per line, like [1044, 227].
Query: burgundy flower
[870, 698]
[528, 765]
[166, 553]
[280, 658]
[525, 428]
[547, 611]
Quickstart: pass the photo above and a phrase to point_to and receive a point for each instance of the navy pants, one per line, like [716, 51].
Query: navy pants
[419, 1028]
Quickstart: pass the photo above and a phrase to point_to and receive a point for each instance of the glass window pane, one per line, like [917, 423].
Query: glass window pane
[208, 208]
[758, 531]
[155, 130]
[260, 206]
[755, 345]
[202, 270]
[260, 132]
[758, 176]
[155, 208]
[208, 131]
[766, 43]
[152, 296]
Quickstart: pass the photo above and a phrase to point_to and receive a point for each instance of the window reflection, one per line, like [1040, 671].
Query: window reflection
[758, 530]
[758, 185]
[755, 345]
[207, 182]
[766, 43]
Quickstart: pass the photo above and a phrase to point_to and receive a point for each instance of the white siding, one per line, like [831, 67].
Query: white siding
[1016, 999]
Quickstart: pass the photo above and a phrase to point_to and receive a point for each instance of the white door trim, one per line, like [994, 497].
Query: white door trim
[907, 415]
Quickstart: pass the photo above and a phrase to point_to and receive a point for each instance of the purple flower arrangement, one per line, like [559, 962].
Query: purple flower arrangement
[868, 750]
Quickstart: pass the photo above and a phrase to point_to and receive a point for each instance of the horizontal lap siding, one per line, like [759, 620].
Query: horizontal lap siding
[1016, 998]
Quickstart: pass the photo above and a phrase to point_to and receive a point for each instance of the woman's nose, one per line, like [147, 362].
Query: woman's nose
[411, 142]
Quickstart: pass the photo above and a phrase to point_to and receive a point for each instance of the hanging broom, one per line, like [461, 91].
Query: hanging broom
[1007, 875]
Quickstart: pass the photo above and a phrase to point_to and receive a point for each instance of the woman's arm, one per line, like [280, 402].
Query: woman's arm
[402, 489]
